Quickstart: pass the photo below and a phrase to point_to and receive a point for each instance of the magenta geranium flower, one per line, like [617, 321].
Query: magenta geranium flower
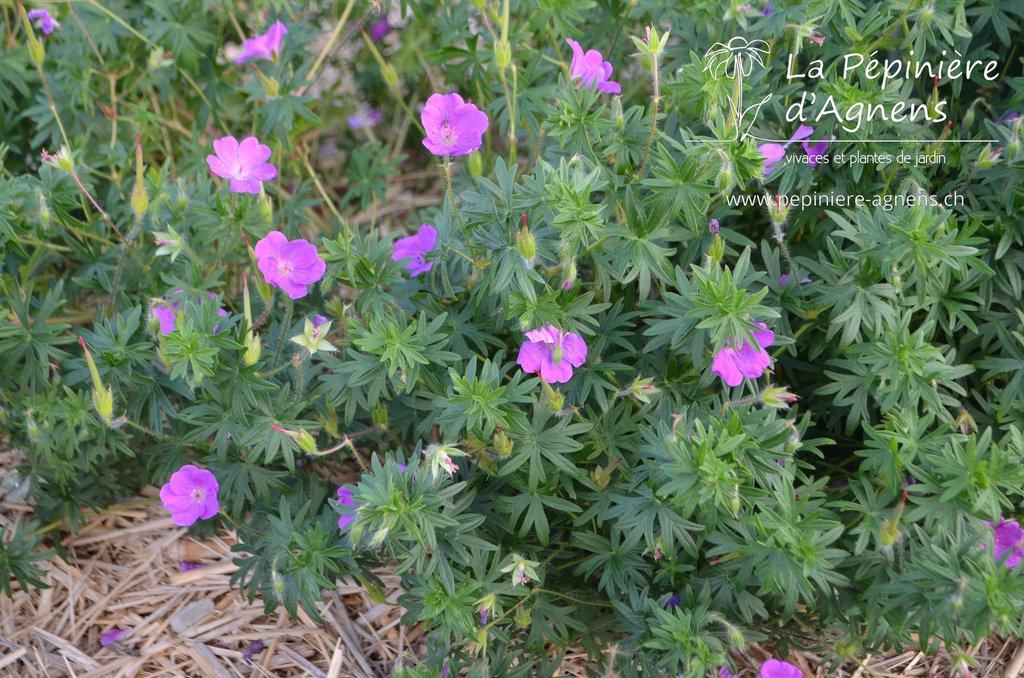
[773, 668]
[1008, 537]
[167, 315]
[732, 364]
[415, 248]
[591, 69]
[345, 497]
[245, 164]
[774, 153]
[814, 150]
[290, 265]
[379, 29]
[553, 353]
[266, 46]
[47, 23]
[190, 494]
[453, 126]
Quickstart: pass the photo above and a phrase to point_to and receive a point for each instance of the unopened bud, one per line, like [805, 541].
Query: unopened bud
[778, 209]
[379, 415]
[726, 179]
[502, 444]
[602, 476]
[302, 438]
[889, 533]
[522, 616]
[36, 51]
[644, 389]
[502, 54]
[716, 251]
[475, 163]
[968, 117]
[265, 208]
[966, 422]
[262, 286]
[390, 75]
[988, 158]
[526, 244]
[102, 397]
[140, 198]
[555, 401]
[44, 211]
[1013, 149]
[778, 397]
[62, 159]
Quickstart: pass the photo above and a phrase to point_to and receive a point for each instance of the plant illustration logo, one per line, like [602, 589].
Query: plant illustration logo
[734, 61]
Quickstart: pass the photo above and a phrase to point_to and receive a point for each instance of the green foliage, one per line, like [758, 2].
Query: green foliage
[845, 490]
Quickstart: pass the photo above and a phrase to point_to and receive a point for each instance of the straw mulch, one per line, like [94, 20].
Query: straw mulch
[124, 572]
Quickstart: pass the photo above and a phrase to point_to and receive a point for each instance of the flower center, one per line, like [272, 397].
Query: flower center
[198, 496]
[448, 136]
[284, 268]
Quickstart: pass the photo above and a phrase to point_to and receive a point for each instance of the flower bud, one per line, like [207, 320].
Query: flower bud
[265, 208]
[102, 397]
[502, 444]
[777, 209]
[716, 251]
[602, 476]
[262, 286]
[526, 244]
[44, 211]
[379, 415]
[502, 54]
[522, 616]
[966, 422]
[778, 397]
[36, 51]
[726, 178]
[390, 75]
[555, 401]
[302, 438]
[644, 389]
[252, 341]
[475, 163]
[1013, 148]
[140, 198]
[158, 58]
[968, 118]
[62, 159]
[988, 158]
[889, 533]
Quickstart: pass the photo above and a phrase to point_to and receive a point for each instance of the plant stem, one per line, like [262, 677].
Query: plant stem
[455, 208]
[654, 120]
[286, 323]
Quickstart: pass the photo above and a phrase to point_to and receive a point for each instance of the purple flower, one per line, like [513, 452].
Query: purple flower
[567, 285]
[379, 29]
[724, 672]
[1006, 118]
[402, 467]
[591, 69]
[415, 247]
[713, 226]
[319, 320]
[553, 353]
[773, 153]
[245, 164]
[785, 277]
[266, 46]
[289, 264]
[672, 602]
[366, 117]
[345, 498]
[186, 566]
[767, 11]
[47, 24]
[190, 494]
[814, 151]
[484, 614]
[167, 315]
[112, 636]
[1009, 537]
[255, 647]
[453, 127]
[773, 668]
[733, 364]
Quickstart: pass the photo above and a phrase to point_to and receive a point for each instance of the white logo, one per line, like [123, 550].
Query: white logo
[736, 59]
